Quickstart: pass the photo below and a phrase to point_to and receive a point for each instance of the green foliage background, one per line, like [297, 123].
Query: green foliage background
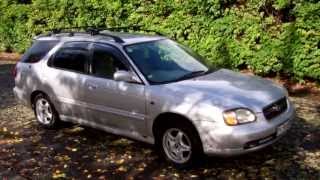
[266, 36]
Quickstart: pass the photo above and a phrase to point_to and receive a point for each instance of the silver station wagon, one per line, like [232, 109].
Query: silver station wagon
[152, 89]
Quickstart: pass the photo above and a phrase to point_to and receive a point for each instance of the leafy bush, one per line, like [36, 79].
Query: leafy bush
[266, 36]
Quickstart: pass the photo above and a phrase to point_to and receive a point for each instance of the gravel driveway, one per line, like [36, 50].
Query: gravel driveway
[29, 152]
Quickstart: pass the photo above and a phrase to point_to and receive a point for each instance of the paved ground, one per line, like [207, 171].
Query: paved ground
[29, 152]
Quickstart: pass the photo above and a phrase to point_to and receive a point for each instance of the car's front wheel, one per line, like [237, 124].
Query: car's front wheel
[181, 145]
[45, 112]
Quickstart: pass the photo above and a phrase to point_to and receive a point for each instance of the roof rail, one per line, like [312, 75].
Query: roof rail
[96, 30]
[115, 38]
[87, 30]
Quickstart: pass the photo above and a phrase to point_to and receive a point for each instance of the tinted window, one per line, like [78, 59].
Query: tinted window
[38, 50]
[105, 64]
[69, 57]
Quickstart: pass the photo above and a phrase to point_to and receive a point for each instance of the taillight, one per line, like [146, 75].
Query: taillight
[14, 71]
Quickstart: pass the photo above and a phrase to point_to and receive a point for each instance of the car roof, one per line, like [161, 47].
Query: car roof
[110, 37]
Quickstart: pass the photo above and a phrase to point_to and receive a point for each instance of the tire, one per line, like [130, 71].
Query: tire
[175, 139]
[45, 113]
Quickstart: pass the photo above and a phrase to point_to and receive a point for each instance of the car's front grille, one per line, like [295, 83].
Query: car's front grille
[275, 109]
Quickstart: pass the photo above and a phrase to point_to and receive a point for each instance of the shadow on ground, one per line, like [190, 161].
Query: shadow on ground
[6, 85]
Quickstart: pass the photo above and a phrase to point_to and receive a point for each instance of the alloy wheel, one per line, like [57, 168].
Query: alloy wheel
[44, 111]
[177, 145]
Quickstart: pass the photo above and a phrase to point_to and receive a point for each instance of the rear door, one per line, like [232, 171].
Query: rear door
[118, 105]
[65, 79]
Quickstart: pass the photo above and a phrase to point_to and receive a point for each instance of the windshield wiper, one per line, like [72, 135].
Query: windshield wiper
[187, 76]
[192, 74]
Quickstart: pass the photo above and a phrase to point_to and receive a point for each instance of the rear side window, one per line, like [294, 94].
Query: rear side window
[72, 57]
[37, 51]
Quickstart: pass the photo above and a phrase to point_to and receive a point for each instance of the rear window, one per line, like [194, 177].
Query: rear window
[37, 51]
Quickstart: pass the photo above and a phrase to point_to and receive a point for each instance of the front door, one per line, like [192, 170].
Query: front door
[117, 105]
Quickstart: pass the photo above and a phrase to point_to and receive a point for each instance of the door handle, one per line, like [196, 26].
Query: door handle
[92, 86]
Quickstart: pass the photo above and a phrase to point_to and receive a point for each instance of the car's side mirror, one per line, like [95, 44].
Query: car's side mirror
[126, 76]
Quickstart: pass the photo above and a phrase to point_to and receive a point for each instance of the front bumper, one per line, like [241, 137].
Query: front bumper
[222, 140]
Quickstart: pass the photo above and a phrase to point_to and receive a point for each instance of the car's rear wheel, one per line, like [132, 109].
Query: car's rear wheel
[45, 112]
[180, 144]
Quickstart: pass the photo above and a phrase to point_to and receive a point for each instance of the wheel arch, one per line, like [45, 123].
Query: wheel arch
[164, 118]
[34, 94]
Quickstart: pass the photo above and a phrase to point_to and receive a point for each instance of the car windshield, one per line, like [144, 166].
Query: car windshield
[165, 61]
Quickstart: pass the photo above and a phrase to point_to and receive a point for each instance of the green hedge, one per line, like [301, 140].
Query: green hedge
[266, 36]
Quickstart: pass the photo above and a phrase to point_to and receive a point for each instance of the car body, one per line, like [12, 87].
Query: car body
[129, 102]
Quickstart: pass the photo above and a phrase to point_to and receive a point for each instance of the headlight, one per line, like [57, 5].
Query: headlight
[238, 116]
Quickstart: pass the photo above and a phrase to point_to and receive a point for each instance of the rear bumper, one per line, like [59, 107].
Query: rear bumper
[222, 140]
[21, 96]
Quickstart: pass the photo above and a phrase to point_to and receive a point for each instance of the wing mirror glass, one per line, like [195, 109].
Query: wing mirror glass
[126, 76]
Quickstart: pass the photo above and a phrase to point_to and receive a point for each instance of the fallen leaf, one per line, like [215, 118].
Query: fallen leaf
[122, 169]
[141, 169]
[120, 161]
[71, 149]
[58, 174]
